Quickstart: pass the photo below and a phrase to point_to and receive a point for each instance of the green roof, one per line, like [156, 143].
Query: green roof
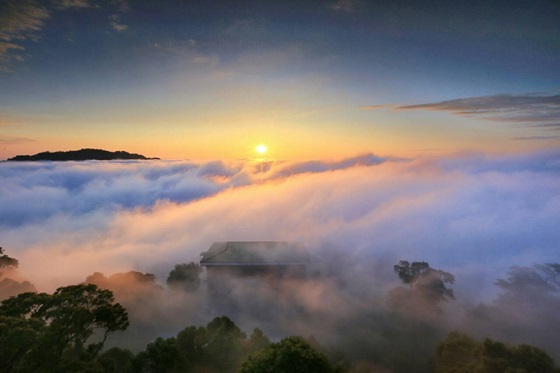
[255, 253]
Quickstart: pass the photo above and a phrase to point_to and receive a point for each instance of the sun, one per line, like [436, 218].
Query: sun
[261, 149]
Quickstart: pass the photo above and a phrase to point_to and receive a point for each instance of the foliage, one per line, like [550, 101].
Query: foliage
[526, 309]
[10, 287]
[7, 261]
[257, 341]
[430, 282]
[218, 347]
[292, 354]
[53, 329]
[160, 356]
[185, 276]
[116, 360]
[461, 353]
[527, 282]
[79, 155]
[224, 343]
[17, 336]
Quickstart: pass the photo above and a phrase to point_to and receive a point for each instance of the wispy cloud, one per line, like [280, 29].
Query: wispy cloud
[19, 21]
[65, 4]
[375, 107]
[10, 140]
[323, 166]
[116, 24]
[535, 138]
[347, 6]
[537, 110]
[24, 20]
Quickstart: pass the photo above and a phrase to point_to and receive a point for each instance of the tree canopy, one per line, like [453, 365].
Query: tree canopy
[430, 282]
[218, 347]
[79, 155]
[538, 280]
[292, 354]
[461, 353]
[42, 330]
[7, 261]
[185, 276]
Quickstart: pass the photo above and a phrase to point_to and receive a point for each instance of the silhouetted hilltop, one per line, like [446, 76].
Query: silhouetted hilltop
[79, 155]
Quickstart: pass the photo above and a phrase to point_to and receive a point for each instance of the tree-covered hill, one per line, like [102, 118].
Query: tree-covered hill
[79, 155]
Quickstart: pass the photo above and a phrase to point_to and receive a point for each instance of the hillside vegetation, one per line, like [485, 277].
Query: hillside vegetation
[79, 155]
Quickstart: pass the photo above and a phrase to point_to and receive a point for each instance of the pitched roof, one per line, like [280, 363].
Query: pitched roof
[255, 253]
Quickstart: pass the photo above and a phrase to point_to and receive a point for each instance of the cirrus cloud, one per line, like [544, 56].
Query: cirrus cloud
[535, 110]
[19, 21]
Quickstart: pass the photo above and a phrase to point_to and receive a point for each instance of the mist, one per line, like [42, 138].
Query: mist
[473, 215]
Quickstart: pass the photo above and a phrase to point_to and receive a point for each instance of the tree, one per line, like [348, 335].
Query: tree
[430, 282]
[461, 353]
[540, 280]
[525, 311]
[257, 342]
[6, 261]
[185, 276]
[458, 353]
[218, 347]
[292, 354]
[192, 342]
[116, 360]
[161, 356]
[17, 337]
[8, 286]
[58, 326]
[224, 347]
[79, 310]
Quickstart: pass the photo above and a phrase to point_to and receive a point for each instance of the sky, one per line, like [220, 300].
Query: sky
[395, 130]
[309, 79]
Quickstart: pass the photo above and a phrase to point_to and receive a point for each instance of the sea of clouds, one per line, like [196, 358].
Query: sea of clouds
[473, 215]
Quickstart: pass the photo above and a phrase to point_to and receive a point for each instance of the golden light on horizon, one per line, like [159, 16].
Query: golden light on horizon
[261, 149]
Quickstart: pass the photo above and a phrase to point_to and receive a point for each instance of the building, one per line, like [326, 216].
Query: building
[251, 258]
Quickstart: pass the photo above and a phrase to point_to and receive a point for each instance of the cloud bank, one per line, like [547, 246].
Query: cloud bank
[474, 216]
[535, 110]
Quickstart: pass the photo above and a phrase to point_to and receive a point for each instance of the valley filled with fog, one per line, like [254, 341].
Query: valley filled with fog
[481, 218]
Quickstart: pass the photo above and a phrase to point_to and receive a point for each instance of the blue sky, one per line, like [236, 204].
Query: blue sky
[185, 79]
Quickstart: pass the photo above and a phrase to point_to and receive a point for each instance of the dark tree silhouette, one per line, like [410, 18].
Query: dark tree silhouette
[116, 360]
[292, 354]
[10, 287]
[218, 347]
[185, 276]
[432, 283]
[55, 328]
[461, 353]
[540, 280]
[79, 155]
[7, 261]
[160, 356]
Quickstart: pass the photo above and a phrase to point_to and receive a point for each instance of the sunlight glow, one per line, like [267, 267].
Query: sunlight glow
[261, 149]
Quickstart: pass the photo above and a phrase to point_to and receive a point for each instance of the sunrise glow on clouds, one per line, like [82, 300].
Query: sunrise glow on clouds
[474, 215]
[464, 213]
[394, 132]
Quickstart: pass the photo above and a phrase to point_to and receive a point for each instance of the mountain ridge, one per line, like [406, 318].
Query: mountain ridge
[85, 154]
